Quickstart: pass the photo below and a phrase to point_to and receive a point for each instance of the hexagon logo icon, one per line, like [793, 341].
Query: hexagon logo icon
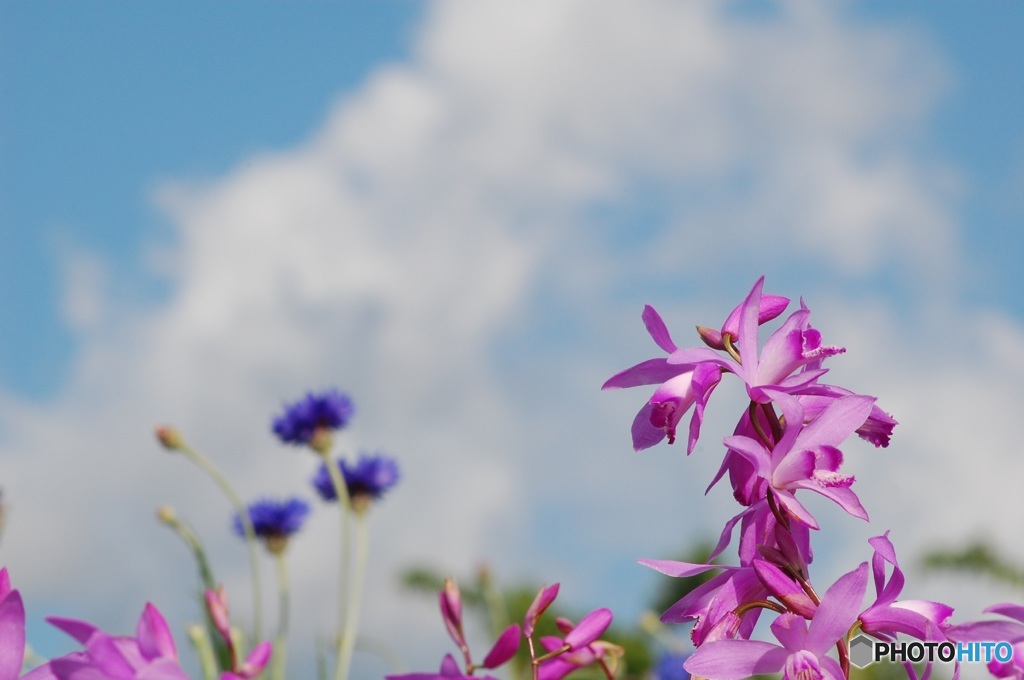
[862, 651]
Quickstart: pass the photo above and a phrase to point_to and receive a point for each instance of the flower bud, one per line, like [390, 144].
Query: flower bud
[170, 438]
[167, 515]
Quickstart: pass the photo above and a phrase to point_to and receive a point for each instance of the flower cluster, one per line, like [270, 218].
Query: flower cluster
[274, 521]
[365, 481]
[579, 646]
[303, 421]
[786, 441]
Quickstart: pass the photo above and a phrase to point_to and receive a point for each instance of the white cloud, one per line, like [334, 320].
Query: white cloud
[449, 247]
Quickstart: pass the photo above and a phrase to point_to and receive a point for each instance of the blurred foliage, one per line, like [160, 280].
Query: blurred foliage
[977, 558]
[497, 607]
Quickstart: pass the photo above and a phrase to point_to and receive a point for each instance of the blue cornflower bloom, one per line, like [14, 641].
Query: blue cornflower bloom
[274, 521]
[315, 413]
[670, 667]
[367, 480]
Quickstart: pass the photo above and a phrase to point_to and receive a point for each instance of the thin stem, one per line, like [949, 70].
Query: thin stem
[279, 659]
[345, 507]
[844, 657]
[348, 640]
[534, 667]
[808, 589]
[773, 420]
[250, 535]
[168, 517]
[752, 413]
[759, 604]
[730, 348]
[782, 519]
[201, 643]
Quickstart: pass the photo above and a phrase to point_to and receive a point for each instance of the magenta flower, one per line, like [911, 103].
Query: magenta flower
[712, 604]
[807, 456]
[804, 649]
[504, 648]
[888, 616]
[997, 630]
[259, 656]
[449, 671]
[680, 388]
[579, 647]
[793, 346]
[545, 596]
[878, 427]
[12, 628]
[149, 655]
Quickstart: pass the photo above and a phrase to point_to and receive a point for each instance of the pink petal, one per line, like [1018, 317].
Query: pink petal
[217, 606]
[839, 608]
[644, 434]
[656, 327]
[79, 630]
[735, 659]
[544, 598]
[590, 627]
[12, 633]
[257, 660]
[154, 635]
[650, 372]
[505, 647]
[451, 611]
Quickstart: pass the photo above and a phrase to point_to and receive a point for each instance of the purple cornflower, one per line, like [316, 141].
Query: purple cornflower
[314, 415]
[274, 521]
[367, 480]
[670, 667]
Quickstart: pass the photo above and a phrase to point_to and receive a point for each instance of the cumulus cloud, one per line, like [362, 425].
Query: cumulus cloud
[465, 244]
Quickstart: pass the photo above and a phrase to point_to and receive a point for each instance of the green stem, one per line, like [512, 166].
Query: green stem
[279, 658]
[201, 643]
[348, 640]
[169, 517]
[250, 535]
[345, 507]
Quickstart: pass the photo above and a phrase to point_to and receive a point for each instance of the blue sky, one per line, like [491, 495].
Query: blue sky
[457, 214]
[103, 100]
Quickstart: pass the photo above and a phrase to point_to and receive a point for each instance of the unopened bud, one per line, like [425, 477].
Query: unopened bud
[322, 441]
[711, 337]
[276, 543]
[169, 438]
[167, 515]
